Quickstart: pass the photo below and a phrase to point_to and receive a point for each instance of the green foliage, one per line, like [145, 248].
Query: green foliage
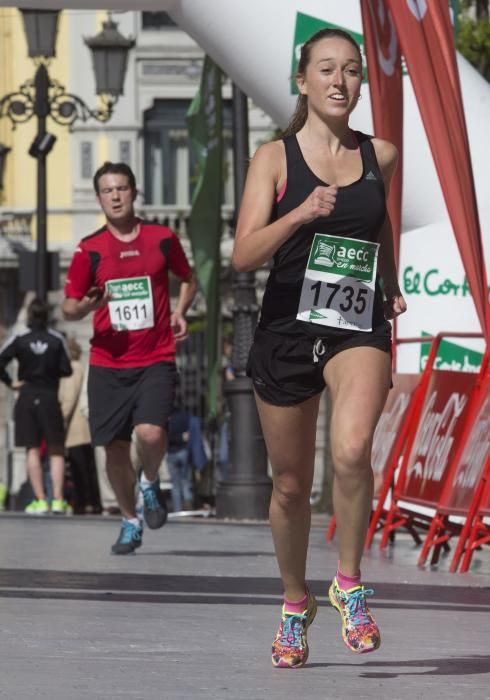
[473, 39]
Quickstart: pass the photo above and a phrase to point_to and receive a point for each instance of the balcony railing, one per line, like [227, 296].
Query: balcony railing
[17, 229]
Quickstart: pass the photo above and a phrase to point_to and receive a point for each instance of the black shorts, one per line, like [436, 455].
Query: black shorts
[37, 415]
[119, 399]
[288, 370]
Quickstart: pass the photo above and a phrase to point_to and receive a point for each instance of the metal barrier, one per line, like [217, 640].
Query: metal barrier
[411, 392]
[463, 482]
[438, 422]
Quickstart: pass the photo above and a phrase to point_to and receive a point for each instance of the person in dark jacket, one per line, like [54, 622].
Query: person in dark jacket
[43, 359]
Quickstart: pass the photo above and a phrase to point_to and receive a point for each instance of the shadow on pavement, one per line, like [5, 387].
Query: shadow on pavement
[240, 590]
[452, 666]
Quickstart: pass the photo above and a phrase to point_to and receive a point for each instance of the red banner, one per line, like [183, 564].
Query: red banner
[439, 431]
[427, 40]
[386, 91]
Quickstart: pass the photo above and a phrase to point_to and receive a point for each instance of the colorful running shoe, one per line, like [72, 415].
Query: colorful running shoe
[290, 647]
[37, 507]
[359, 629]
[130, 538]
[154, 507]
[60, 507]
[3, 495]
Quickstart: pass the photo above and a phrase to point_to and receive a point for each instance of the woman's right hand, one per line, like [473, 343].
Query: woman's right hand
[319, 203]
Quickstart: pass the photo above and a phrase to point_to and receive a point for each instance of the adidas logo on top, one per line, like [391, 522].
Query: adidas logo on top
[38, 348]
[371, 176]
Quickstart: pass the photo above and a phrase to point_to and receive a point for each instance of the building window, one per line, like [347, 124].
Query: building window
[170, 164]
[86, 160]
[156, 20]
[125, 152]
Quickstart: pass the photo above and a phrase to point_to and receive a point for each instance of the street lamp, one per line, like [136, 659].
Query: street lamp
[3, 157]
[41, 29]
[246, 491]
[44, 97]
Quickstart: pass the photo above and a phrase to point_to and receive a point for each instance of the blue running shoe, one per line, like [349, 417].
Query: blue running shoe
[154, 507]
[130, 538]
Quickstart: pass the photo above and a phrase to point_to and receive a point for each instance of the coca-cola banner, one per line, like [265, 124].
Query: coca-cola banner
[386, 91]
[390, 425]
[473, 460]
[438, 435]
[427, 42]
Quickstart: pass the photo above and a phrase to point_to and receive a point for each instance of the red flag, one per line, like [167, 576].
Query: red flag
[427, 42]
[386, 90]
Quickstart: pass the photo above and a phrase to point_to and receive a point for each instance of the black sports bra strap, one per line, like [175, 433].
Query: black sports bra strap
[368, 153]
[293, 151]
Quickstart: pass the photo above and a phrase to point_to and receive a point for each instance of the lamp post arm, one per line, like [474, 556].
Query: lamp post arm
[66, 108]
[18, 106]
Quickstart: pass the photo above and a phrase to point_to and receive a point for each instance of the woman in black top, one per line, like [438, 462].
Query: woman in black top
[315, 202]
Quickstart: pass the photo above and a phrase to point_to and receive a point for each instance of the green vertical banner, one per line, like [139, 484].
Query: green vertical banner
[204, 121]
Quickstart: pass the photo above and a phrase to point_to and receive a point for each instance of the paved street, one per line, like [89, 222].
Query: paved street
[193, 614]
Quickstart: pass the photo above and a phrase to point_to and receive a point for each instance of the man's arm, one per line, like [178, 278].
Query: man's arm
[188, 289]
[76, 309]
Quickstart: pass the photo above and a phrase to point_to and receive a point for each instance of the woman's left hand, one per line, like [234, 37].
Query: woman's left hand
[394, 306]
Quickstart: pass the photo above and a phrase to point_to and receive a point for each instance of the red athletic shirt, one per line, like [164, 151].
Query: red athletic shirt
[133, 330]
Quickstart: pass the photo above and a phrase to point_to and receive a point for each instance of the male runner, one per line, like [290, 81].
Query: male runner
[121, 273]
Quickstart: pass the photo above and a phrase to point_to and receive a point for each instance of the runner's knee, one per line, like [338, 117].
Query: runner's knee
[351, 453]
[291, 491]
[150, 435]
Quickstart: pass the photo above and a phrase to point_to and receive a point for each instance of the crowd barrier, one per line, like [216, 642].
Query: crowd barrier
[429, 457]
[480, 530]
[462, 490]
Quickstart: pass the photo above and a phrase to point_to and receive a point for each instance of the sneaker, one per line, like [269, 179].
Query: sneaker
[290, 647]
[60, 507]
[37, 507]
[359, 629]
[154, 508]
[130, 538]
[3, 495]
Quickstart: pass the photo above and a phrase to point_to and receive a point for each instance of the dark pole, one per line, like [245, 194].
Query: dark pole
[41, 82]
[247, 489]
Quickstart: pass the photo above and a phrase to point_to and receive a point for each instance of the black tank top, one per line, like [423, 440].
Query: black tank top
[359, 212]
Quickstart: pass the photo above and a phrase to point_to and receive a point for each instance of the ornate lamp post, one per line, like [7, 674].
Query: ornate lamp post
[44, 97]
[246, 492]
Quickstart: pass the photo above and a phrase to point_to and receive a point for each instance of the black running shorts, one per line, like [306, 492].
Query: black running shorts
[119, 399]
[287, 370]
[37, 415]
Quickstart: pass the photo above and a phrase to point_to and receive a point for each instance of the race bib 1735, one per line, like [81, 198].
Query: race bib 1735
[339, 284]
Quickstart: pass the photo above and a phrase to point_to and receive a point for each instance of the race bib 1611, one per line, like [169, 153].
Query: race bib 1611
[131, 304]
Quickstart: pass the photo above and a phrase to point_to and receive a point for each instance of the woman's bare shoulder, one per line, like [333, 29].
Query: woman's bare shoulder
[271, 152]
[386, 153]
